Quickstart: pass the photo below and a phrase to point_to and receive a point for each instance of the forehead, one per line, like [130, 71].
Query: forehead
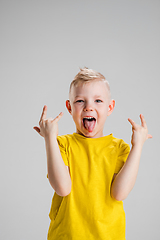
[94, 88]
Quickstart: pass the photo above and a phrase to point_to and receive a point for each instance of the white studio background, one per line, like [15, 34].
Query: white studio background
[42, 46]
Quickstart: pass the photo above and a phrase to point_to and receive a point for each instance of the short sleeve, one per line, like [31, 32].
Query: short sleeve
[123, 151]
[62, 142]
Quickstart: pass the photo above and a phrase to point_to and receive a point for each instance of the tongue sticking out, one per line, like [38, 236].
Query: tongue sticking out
[89, 124]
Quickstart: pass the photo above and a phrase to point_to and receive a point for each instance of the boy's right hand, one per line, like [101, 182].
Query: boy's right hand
[48, 127]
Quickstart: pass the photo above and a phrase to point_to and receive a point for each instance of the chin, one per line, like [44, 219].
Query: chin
[90, 134]
[85, 134]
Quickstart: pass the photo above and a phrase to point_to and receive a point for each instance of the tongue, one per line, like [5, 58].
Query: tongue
[89, 125]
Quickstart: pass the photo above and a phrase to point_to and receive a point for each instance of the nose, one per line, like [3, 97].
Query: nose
[88, 107]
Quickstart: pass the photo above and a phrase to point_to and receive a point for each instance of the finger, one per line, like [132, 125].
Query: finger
[132, 122]
[44, 113]
[49, 119]
[58, 117]
[149, 136]
[143, 121]
[37, 129]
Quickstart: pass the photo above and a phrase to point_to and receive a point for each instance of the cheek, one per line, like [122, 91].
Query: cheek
[77, 109]
[103, 113]
[75, 113]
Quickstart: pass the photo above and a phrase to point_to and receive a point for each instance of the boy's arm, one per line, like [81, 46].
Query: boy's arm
[124, 181]
[58, 173]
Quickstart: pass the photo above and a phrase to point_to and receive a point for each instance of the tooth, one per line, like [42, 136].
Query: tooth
[89, 117]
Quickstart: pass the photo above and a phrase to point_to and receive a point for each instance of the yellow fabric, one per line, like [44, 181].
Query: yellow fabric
[89, 212]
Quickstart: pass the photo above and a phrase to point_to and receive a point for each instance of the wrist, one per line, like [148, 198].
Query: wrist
[137, 146]
[50, 137]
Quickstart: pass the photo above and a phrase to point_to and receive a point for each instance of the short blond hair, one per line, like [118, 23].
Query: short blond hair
[86, 75]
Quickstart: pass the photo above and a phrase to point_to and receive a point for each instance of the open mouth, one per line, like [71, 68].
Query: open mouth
[89, 123]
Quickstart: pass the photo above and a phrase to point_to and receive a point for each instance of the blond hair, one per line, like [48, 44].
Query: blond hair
[86, 75]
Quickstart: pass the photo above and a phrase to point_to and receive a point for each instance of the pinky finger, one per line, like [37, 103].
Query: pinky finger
[143, 122]
[58, 117]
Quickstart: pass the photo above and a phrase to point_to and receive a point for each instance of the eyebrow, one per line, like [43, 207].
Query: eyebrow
[96, 96]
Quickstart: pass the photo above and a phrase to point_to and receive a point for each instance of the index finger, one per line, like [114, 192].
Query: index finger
[132, 123]
[44, 113]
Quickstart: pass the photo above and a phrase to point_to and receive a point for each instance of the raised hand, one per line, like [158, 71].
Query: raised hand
[139, 132]
[48, 127]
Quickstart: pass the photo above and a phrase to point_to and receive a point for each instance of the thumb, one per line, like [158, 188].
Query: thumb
[149, 136]
[37, 129]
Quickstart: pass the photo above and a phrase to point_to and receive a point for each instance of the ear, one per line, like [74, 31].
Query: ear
[111, 107]
[68, 106]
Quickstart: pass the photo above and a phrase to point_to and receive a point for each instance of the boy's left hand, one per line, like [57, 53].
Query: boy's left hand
[139, 132]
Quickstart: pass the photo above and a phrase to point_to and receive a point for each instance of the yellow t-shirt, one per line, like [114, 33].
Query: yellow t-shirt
[89, 212]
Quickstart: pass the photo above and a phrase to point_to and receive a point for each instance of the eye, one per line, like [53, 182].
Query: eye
[79, 101]
[98, 100]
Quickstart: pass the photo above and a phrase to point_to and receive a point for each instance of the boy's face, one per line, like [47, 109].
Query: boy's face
[89, 106]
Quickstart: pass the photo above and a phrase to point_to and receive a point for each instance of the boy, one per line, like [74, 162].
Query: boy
[90, 173]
